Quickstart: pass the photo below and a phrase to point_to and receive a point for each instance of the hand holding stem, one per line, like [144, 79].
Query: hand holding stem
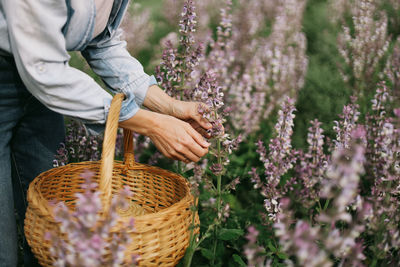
[175, 127]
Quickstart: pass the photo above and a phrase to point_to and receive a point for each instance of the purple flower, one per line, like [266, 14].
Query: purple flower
[78, 146]
[396, 112]
[279, 159]
[345, 126]
[252, 234]
[363, 44]
[216, 168]
[89, 237]
[178, 64]
[252, 251]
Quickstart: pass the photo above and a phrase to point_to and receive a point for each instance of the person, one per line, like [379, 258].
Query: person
[38, 87]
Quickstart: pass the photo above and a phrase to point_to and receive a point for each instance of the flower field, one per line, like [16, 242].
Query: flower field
[306, 168]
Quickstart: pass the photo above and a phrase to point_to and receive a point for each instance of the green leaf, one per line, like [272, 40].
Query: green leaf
[230, 234]
[281, 255]
[239, 260]
[207, 254]
[271, 247]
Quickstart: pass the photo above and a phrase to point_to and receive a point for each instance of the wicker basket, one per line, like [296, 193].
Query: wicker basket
[160, 202]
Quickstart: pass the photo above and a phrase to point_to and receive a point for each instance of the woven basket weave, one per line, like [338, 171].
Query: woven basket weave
[160, 202]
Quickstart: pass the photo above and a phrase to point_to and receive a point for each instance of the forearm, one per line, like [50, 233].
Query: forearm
[158, 101]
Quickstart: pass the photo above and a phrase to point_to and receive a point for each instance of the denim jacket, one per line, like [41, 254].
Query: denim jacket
[38, 34]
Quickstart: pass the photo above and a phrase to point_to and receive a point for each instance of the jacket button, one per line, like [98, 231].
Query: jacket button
[40, 67]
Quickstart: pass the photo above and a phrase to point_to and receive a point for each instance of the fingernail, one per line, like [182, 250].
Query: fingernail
[209, 124]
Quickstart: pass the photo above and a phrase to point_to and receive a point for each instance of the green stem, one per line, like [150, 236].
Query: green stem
[215, 245]
[374, 262]
[319, 206]
[219, 178]
[187, 260]
[180, 168]
[219, 213]
[204, 236]
[181, 89]
[183, 72]
[193, 246]
[192, 226]
[182, 94]
[326, 204]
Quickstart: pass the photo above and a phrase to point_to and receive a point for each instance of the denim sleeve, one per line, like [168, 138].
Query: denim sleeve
[39, 49]
[120, 71]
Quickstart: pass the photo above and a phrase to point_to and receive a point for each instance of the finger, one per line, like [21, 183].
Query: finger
[178, 156]
[195, 151]
[164, 151]
[190, 149]
[199, 129]
[197, 137]
[202, 131]
[199, 118]
[189, 156]
[203, 122]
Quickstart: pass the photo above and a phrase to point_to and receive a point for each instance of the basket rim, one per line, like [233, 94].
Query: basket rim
[34, 188]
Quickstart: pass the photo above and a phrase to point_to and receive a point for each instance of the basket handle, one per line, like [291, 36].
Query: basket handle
[129, 155]
[107, 155]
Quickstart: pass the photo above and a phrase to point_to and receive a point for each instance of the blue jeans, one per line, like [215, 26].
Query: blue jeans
[30, 134]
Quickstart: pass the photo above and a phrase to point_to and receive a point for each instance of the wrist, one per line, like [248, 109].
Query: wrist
[143, 122]
[158, 101]
[173, 107]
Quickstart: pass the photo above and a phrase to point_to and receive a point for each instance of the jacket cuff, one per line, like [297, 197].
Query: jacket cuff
[139, 88]
[153, 81]
[128, 110]
[129, 106]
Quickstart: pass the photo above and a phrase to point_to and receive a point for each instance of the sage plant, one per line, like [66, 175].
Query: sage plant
[363, 50]
[221, 56]
[177, 66]
[309, 241]
[210, 94]
[278, 160]
[338, 9]
[392, 71]
[383, 161]
[252, 251]
[207, 8]
[311, 166]
[350, 192]
[395, 9]
[346, 125]
[269, 68]
[183, 78]
[137, 28]
[286, 54]
[79, 145]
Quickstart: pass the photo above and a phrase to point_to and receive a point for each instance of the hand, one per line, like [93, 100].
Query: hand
[195, 125]
[188, 111]
[157, 100]
[174, 138]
